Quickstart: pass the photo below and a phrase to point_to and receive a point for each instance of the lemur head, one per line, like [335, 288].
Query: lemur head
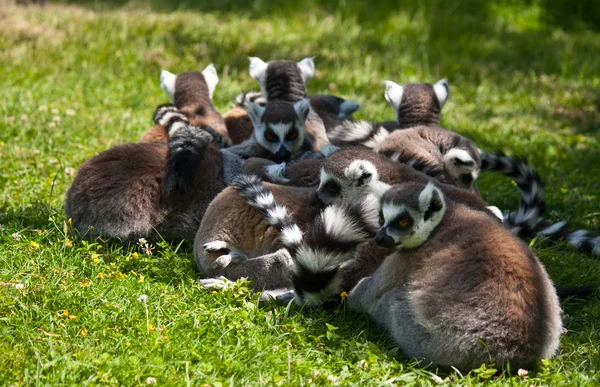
[190, 87]
[417, 103]
[282, 79]
[346, 177]
[409, 214]
[279, 126]
[463, 165]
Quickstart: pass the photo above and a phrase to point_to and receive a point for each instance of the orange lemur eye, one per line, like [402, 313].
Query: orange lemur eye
[292, 136]
[381, 219]
[270, 136]
[403, 223]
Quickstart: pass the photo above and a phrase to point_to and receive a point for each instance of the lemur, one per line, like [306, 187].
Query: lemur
[151, 189]
[458, 289]
[279, 131]
[332, 109]
[285, 80]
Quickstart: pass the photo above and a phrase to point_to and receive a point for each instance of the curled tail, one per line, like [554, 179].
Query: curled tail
[523, 221]
[364, 133]
[318, 254]
[185, 150]
[582, 240]
[245, 98]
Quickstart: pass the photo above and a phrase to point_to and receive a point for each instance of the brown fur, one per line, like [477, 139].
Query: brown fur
[156, 133]
[239, 125]
[419, 106]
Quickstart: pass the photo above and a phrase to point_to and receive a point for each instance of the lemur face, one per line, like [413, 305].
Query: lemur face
[357, 181]
[279, 127]
[409, 214]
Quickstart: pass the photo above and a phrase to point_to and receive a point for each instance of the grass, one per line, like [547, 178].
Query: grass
[80, 77]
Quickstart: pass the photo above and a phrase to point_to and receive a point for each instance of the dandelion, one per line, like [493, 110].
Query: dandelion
[150, 380]
[343, 294]
[101, 275]
[95, 258]
[214, 292]
[16, 236]
[68, 243]
[141, 278]
[121, 275]
[65, 312]
[34, 245]
[83, 332]
[522, 373]
[43, 108]
[72, 317]
[20, 286]
[70, 112]
[85, 284]
[142, 298]
[54, 111]
[99, 247]
[135, 255]
[128, 344]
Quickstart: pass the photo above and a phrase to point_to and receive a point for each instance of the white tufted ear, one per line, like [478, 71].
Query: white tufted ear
[255, 112]
[442, 91]
[302, 108]
[361, 172]
[431, 202]
[167, 83]
[393, 94]
[307, 67]
[211, 77]
[257, 68]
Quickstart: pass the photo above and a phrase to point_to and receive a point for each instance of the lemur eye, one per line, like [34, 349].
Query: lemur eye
[291, 136]
[403, 223]
[381, 219]
[270, 137]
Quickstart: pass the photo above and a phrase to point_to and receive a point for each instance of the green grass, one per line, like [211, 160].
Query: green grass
[524, 79]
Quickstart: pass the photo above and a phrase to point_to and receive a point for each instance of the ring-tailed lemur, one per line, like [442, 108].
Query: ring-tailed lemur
[279, 131]
[454, 301]
[191, 93]
[332, 109]
[144, 189]
[285, 80]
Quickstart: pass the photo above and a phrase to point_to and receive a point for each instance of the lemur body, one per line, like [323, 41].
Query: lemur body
[144, 189]
[458, 301]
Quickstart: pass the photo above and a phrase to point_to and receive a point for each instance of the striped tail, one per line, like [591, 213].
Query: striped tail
[362, 133]
[523, 221]
[185, 150]
[245, 98]
[582, 240]
[318, 254]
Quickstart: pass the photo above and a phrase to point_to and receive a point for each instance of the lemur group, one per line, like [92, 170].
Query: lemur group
[288, 191]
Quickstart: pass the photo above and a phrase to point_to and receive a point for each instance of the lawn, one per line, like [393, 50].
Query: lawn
[80, 77]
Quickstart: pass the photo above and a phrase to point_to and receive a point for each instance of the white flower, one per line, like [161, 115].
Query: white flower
[522, 373]
[19, 286]
[43, 108]
[70, 112]
[23, 118]
[52, 125]
[70, 171]
[437, 379]
[2, 227]
[56, 118]
[142, 298]
[16, 236]
[54, 111]
[332, 378]
[142, 241]
[150, 380]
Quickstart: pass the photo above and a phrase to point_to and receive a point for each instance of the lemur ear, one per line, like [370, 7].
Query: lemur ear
[361, 172]
[255, 112]
[393, 94]
[442, 91]
[307, 67]
[167, 83]
[257, 68]
[302, 108]
[211, 77]
[431, 201]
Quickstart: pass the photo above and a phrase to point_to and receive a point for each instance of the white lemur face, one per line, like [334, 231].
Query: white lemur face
[279, 127]
[358, 180]
[407, 220]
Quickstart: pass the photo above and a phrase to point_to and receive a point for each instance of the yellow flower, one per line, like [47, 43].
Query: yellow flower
[95, 258]
[150, 327]
[65, 312]
[214, 292]
[72, 317]
[343, 294]
[100, 275]
[99, 247]
[121, 275]
[135, 255]
[128, 344]
[69, 243]
[83, 332]
[141, 278]
[34, 245]
[85, 284]
[126, 259]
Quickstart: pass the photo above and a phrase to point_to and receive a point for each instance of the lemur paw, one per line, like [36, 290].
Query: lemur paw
[230, 259]
[282, 296]
[216, 283]
[215, 246]
[496, 211]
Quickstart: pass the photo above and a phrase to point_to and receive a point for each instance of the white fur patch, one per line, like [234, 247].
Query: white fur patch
[167, 83]
[277, 215]
[281, 129]
[302, 109]
[291, 235]
[576, 237]
[307, 68]
[349, 131]
[553, 229]
[358, 168]
[391, 211]
[175, 127]
[258, 67]
[340, 227]
[216, 283]
[265, 200]
[441, 91]
[454, 169]
[393, 94]
[211, 77]
[496, 211]
[256, 112]
[317, 260]
[276, 173]
[170, 114]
